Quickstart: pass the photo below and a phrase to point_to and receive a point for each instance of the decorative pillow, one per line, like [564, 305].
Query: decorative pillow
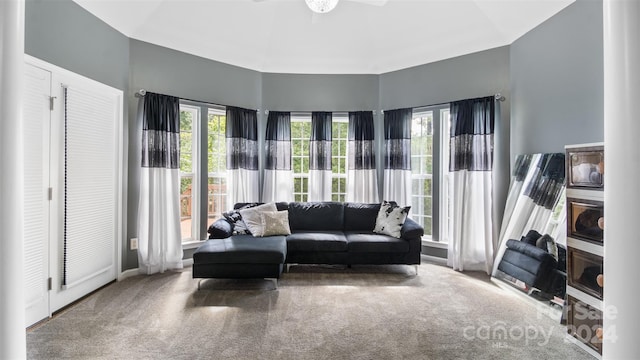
[546, 243]
[390, 219]
[234, 218]
[252, 219]
[531, 237]
[275, 223]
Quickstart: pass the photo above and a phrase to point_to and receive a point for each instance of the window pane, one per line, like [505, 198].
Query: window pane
[297, 165]
[186, 164]
[427, 226]
[426, 207]
[186, 121]
[216, 165]
[186, 206]
[297, 185]
[216, 198]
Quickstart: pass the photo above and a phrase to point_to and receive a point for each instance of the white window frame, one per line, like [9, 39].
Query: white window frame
[342, 193]
[221, 162]
[445, 178]
[195, 172]
[423, 176]
[440, 200]
[304, 193]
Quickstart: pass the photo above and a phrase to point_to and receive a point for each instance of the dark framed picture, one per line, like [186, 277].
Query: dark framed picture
[585, 219]
[585, 167]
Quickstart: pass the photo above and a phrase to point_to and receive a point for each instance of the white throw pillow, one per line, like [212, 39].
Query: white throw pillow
[275, 223]
[390, 219]
[252, 218]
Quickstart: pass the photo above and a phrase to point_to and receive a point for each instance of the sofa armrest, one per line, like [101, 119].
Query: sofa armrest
[411, 229]
[220, 229]
[529, 250]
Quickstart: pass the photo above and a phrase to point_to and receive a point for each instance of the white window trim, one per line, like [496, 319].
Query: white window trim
[444, 179]
[195, 169]
[341, 117]
[216, 111]
[300, 117]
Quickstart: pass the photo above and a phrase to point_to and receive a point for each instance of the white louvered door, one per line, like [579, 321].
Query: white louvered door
[37, 117]
[88, 177]
[73, 187]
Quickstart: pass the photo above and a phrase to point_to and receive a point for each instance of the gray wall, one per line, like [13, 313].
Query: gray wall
[557, 82]
[64, 34]
[165, 71]
[293, 92]
[479, 74]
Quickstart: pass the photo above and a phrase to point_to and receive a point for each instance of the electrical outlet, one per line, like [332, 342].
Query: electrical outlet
[133, 243]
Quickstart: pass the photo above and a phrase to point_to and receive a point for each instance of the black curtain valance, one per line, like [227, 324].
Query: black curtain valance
[361, 125]
[241, 123]
[242, 138]
[361, 141]
[160, 131]
[278, 141]
[397, 123]
[320, 144]
[321, 125]
[278, 126]
[472, 127]
[473, 116]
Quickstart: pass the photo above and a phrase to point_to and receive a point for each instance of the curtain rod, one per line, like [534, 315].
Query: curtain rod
[266, 112]
[142, 92]
[497, 97]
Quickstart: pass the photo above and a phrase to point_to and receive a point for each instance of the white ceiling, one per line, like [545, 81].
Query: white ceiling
[357, 37]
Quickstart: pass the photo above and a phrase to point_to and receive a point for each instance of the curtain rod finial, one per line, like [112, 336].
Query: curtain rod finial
[499, 97]
[141, 93]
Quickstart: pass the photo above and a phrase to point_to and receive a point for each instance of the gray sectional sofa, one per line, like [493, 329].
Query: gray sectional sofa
[321, 233]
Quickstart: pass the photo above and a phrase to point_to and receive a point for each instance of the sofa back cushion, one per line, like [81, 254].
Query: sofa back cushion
[316, 216]
[360, 217]
[279, 205]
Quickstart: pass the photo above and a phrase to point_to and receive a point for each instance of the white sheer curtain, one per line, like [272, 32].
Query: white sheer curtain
[537, 185]
[278, 177]
[472, 243]
[362, 177]
[159, 237]
[242, 156]
[320, 157]
[397, 156]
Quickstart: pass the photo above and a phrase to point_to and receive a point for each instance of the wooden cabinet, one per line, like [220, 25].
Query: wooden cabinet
[585, 239]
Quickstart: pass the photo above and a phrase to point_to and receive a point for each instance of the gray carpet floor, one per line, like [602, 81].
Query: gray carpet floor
[366, 312]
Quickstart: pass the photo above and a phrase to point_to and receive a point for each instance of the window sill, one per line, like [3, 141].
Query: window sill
[435, 244]
[192, 244]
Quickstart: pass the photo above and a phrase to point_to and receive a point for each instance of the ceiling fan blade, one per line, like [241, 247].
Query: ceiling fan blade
[371, 2]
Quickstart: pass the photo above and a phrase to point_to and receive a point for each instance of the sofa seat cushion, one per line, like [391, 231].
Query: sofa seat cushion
[242, 249]
[363, 242]
[320, 241]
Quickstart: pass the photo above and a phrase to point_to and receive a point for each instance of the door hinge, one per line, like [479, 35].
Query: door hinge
[51, 100]
[49, 284]
[50, 194]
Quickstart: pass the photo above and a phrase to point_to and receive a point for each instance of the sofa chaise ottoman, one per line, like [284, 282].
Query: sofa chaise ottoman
[241, 257]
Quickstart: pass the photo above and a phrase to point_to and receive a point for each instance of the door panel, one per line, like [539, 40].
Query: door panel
[37, 118]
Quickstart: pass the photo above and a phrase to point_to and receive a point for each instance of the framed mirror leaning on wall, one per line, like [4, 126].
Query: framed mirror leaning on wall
[531, 253]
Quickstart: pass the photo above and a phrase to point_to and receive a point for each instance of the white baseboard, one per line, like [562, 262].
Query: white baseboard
[128, 273]
[133, 272]
[434, 259]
